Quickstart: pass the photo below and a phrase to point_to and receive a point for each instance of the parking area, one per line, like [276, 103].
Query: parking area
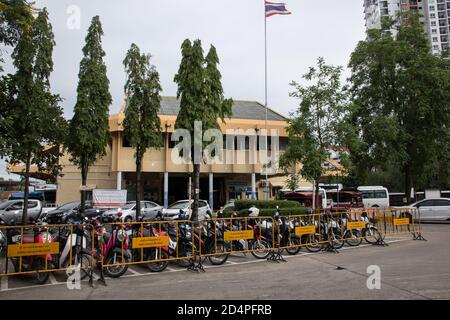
[408, 270]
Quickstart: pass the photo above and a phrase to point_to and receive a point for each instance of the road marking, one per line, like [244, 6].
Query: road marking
[231, 262]
[52, 279]
[172, 269]
[133, 271]
[4, 284]
[96, 277]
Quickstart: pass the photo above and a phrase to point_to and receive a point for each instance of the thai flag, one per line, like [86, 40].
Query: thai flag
[273, 8]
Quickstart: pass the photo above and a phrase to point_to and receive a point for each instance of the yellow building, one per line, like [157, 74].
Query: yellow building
[164, 181]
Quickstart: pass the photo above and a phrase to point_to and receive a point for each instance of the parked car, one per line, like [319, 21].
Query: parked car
[67, 213]
[149, 210]
[229, 206]
[173, 211]
[432, 209]
[11, 211]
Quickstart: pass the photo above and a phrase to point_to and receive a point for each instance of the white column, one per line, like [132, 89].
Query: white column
[211, 190]
[166, 189]
[253, 186]
[119, 180]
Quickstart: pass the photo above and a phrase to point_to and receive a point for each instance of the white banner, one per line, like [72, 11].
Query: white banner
[109, 198]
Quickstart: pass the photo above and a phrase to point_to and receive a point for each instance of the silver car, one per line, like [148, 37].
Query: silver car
[11, 211]
[149, 210]
[173, 211]
[433, 209]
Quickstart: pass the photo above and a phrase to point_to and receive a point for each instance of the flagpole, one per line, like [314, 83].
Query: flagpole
[266, 195]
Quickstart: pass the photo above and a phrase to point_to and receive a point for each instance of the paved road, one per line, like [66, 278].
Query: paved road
[409, 270]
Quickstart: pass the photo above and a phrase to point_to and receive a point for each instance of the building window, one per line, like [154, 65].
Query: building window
[125, 142]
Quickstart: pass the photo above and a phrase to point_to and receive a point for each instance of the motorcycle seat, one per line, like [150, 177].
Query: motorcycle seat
[28, 240]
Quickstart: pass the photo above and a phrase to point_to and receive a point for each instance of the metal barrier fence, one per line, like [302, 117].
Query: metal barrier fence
[224, 236]
[154, 243]
[397, 221]
[41, 249]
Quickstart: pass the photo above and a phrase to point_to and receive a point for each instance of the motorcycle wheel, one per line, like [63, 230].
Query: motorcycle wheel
[337, 241]
[41, 277]
[87, 265]
[185, 250]
[294, 246]
[158, 266]
[218, 248]
[353, 238]
[117, 270]
[371, 235]
[313, 243]
[260, 249]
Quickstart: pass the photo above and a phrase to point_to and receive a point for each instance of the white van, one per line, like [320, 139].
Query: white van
[374, 196]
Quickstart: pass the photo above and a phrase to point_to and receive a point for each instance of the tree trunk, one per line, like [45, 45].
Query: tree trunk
[316, 186]
[84, 172]
[138, 188]
[408, 182]
[196, 192]
[26, 191]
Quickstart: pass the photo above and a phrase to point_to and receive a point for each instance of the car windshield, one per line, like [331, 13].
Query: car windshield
[129, 206]
[179, 205]
[69, 206]
[5, 205]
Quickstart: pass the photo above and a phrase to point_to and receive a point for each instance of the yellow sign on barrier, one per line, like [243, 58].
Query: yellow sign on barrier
[32, 249]
[401, 222]
[299, 231]
[151, 242]
[238, 235]
[356, 225]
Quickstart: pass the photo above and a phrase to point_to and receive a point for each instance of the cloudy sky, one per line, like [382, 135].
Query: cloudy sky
[327, 28]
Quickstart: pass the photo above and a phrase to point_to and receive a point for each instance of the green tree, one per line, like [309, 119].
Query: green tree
[35, 118]
[89, 129]
[400, 106]
[317, 124]
[15, 18]
[201, 99]
[142, 126]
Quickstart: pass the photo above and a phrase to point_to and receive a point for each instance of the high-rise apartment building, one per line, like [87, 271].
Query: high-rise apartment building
[435, 16]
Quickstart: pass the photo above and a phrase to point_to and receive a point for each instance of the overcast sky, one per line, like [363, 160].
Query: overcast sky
[327, 28]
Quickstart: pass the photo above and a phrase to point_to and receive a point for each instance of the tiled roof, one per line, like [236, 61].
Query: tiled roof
[241, 110]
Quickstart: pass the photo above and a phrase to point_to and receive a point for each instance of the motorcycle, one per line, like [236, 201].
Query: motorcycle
[38, 263]
[285, 234]
[370, 232]
[328, 234]
[180, 243]
[259, 246]
[352, 237]
[114, 249]
[74, 243]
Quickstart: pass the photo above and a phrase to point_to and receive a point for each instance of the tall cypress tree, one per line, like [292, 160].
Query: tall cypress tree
[201, 99]
[142, 126]
[89, 129]
[15, 17]
[35, 118]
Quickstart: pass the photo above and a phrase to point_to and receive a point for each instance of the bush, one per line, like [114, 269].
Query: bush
[270, 212]
[265, 204]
